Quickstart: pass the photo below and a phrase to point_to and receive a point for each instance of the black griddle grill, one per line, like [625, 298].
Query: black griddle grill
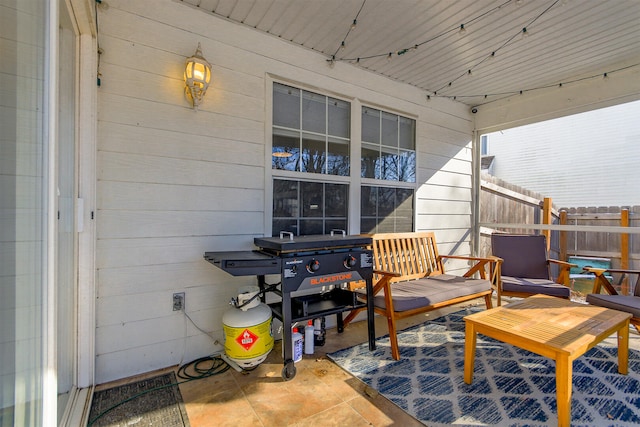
[313, 270]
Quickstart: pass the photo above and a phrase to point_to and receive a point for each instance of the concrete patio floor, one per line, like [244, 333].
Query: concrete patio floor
[321, 394]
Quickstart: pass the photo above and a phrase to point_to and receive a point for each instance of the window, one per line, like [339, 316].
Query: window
[388, 155]
[483, 145]
[310, 132]
[311, 166]
[305, 207]
[311, 135]
[388, 146]
[386, 209]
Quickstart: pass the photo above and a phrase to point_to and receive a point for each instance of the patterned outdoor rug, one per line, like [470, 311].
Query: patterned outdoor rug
[511, 387]
[151, 402]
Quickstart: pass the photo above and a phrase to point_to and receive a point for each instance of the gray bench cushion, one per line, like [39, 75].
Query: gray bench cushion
[535, 286]
[433, 290]
[627, 303]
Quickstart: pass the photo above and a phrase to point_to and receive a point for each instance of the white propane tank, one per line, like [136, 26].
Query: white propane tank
[247, 330]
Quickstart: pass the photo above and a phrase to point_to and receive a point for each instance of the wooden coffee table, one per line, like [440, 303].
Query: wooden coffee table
[552, 327]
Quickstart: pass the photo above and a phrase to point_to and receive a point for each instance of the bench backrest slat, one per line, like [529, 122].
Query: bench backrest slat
[413, 255]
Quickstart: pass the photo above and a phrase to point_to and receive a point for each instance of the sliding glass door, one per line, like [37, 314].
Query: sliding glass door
[65, 287]
[24, 210]
[38, 190]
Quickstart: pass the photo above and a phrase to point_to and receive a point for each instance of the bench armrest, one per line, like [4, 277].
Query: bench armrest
[602, 281]
[562, 264]
[485, 266]
[594, 270]
[611, 270]
[563, 275]
[472, 258]
[387, 273]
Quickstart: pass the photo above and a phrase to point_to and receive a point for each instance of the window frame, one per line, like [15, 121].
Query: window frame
[387, 183]
[303, 212]
[354, 181]
[380, 144]
[393, 217]
[305, 136]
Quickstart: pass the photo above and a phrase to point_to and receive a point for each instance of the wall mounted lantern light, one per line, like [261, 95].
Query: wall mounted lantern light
[197, 75]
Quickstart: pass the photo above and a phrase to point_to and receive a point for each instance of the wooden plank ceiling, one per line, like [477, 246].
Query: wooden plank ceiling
[419, 42]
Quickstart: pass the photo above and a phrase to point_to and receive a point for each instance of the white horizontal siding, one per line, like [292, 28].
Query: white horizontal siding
[204, 299]
[443, 178]
[459, 223]
[130, 224]
[150, 278]
[133, 111]
[588, 159]
[173, 183]
[164, 250]
[172, 197]
[444, 207]
[138, 140]
[155, 169]
[437, 192]
[140, 359]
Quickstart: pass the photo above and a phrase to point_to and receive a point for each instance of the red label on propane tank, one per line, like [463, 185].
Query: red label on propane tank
[247, 339]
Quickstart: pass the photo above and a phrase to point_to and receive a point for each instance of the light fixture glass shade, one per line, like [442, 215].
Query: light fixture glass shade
[197, 76]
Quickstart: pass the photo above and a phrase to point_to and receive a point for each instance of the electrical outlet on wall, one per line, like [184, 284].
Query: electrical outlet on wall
[178, 301]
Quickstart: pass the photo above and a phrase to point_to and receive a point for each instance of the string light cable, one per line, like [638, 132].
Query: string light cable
[344, 40]
[405, 50]
[523, 31]
[562, 84]
[104, 6]
[469, 70]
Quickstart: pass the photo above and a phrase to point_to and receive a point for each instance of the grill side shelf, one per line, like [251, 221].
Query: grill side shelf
[245, 263]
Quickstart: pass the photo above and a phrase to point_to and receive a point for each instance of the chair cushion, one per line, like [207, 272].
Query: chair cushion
[523, 255]
[627, 303]
[433, 290]
[534, 286]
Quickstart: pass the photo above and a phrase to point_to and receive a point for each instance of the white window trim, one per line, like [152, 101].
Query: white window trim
[354, 180]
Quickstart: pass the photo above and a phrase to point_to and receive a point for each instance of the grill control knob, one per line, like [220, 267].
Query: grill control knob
[349, 261]
[313, 265]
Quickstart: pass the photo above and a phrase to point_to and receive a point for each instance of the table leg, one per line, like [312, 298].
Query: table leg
[564, 377]
[469, 351]
[623, 349]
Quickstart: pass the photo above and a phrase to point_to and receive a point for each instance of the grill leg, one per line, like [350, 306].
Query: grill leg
[370, 320]
[289, 370]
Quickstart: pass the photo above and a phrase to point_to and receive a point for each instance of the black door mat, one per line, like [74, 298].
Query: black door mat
[151, 402]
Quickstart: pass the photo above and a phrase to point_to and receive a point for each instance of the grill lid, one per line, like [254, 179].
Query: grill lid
[290, 243]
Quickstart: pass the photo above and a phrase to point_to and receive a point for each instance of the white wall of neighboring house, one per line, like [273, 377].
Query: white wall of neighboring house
[173, 183]
[587, 159]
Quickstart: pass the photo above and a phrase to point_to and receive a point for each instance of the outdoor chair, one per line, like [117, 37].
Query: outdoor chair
[627, 303]
[525, 267]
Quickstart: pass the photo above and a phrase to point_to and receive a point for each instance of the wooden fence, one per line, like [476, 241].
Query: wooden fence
[622, 249]
[503, 203]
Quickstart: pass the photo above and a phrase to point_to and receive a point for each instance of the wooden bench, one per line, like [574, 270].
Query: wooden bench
[411, 275]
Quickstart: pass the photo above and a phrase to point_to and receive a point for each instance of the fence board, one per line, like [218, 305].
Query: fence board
[505, 203]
